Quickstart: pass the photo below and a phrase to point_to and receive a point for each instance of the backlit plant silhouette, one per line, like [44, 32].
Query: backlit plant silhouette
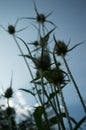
[49, 79]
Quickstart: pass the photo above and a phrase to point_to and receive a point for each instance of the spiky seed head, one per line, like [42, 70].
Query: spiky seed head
[36, 43]
[10, 111]
[57, 76]
[43, 63]
[60, 48]
[41, 18]
[11, 29]
[9, 92]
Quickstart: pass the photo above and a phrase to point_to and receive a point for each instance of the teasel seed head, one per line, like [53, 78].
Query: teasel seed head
[9, 92]
[11, 29]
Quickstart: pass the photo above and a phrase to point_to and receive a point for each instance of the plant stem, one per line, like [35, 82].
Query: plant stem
[76, 87]
[9, 117]
[55, 109]
[62, 122]
[44, 93]
[65, 107]
[22, 54]
[31, 75]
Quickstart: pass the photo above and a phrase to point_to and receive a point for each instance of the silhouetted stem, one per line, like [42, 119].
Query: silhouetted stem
[59, 121]
[65, 107]
[9, 117]
[29, 70]
[28, 67]
[44, 92]
[10, 125]
[8, 102]
[23, 54]
[76, 87]
[62, 122]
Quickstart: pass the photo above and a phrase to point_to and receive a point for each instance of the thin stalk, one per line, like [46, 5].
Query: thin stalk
[57, 115]
[43, 30]
[44, 93]
[10, 125]
[8, 102]
[55, 99]
[29, 70]
[9, 117]
[23, 54]
[62, 122]
[25, 60]
[75, 85]
[65, 107]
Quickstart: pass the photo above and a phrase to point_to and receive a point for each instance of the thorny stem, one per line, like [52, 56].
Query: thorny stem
[75, 85]
[65, 107]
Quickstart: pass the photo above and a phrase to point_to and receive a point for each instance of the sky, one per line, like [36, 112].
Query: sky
[70, 17]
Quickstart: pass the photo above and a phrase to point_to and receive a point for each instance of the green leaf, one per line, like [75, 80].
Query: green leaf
[38, 116]
[28, 91]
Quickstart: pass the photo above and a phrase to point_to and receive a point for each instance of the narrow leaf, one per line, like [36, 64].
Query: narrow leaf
[28, 91]
[27, 56]
[76, 45]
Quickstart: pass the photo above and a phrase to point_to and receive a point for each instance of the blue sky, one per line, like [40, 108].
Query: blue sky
[69, 16]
